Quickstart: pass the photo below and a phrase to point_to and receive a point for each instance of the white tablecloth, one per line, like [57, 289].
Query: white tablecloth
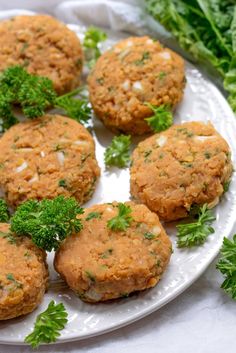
[201, 320]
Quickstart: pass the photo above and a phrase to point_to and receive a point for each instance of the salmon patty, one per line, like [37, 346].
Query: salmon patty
[23, 275]
[134, 72]
[46, 157]
[188, 164]
[43, 46]
[101, 264]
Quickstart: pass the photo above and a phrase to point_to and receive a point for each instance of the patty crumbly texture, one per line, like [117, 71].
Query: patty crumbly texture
[46, 157]
[188, 164]
[23, 275]
[43, 46]
[101, 264]
[135, 71]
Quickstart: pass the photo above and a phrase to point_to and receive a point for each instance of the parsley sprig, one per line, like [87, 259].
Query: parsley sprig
[47, 222]
[162, 118]
[34, 94]
[4, 213]
[48, 325]
[195, 233]
[122, 220]
[227, 266]
[93, 37]
[117, 154]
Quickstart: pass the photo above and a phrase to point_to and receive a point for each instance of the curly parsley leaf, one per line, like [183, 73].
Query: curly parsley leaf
[162, 118]
[227, 266]
[122, 220]
[48, 325]
[93, 37]
[4, 213]
[117, 154]
[47, 222]
[77, 108]
[195, 233]
[34, 95]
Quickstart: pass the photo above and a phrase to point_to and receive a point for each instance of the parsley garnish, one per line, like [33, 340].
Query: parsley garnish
[191, 234]
[34, 94]
[122, 220]
[47, 222]
[93, 36]
[117, 154]
[92, 215]
[227, 266]
[4, 213]
[48, 325]
[226, 185]
[162, 118]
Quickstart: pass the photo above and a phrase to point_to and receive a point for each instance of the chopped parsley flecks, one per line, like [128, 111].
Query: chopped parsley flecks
[149, 236]
[162, 75]
[145, 56]
[93, 215]
[207, 155]
[62, 183]
[106, 254]
[90, 276]
[11, 278]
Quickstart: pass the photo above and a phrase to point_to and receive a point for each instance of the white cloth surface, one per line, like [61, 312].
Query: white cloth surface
[202, 319]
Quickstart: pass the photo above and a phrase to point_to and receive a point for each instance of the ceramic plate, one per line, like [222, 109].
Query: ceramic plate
[202, 101]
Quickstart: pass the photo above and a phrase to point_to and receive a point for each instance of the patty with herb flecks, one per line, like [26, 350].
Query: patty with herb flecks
[46, 157]
[134, 72]
[121, 249]
[23, 274]
[186, 165]
[44, 46]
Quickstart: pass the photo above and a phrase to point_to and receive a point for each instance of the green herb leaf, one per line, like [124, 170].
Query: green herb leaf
[149, 235]
[196, 233]
[47, 222]
[93, 37]
[4, 213]
[78, 108]
[122, 220]
[48, 325]
[227, 266]
[117, 154]
[93, 215]
[162, 118]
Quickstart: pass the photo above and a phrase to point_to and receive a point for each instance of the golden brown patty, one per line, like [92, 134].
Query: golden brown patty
[44, 46]
[185, 165]
[23, 275]
[101, 264]
[133, 72]
[46, 157]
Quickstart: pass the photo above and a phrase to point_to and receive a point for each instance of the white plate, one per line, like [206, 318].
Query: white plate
[202, 101]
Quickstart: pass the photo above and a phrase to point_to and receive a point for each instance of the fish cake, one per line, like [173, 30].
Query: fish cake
[46, 157]
[136, 71]
[23, 275]
[100, 264]
[43, 46]
[188, 164]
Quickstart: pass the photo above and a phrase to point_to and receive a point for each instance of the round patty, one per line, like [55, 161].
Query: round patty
[23, 275]
[47, 157]
[101, 264]
[135, 71]
[187, 164]
[44, 46]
